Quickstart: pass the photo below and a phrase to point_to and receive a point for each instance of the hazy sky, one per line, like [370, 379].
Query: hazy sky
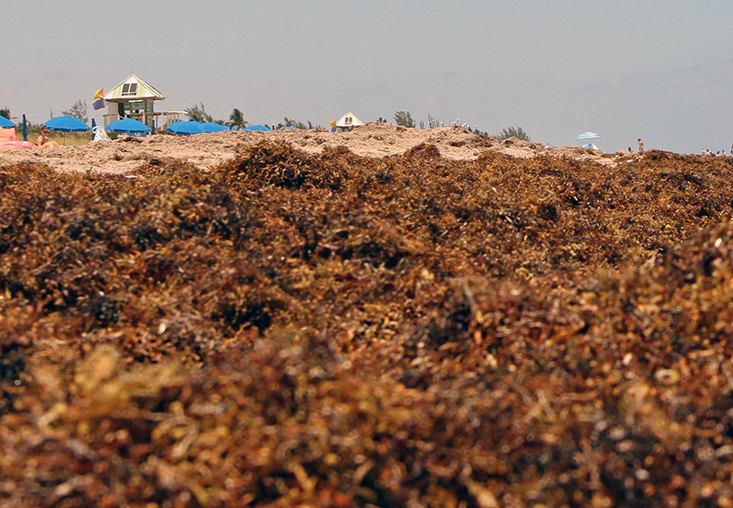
[662, 71]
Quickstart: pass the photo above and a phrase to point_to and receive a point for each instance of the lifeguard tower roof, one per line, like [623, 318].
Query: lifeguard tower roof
[133, 89]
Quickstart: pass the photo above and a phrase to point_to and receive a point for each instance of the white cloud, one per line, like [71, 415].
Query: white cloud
[56, 75]
[430, 100]
[9, 91]
[615, 84]
[629, 82]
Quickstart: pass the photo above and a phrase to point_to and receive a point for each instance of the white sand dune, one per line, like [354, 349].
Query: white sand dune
[207, 150]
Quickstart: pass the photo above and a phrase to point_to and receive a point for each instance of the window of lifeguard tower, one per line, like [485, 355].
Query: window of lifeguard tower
[129, 89]
[137, 107]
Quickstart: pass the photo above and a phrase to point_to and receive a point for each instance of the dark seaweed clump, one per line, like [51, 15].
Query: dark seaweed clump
[332, 330]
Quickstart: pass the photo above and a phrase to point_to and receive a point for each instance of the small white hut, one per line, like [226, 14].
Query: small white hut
[348, 122]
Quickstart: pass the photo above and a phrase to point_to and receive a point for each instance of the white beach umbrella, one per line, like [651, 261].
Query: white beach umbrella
[588, 135]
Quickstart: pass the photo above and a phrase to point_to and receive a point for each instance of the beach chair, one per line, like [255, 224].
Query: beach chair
[99, 134]
[9, 140]
[7, 134]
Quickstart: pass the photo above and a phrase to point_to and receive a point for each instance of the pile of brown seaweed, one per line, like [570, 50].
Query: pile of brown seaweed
[291, 329]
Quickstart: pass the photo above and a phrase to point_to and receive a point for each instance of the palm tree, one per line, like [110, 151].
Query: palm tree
[236, 120]
[198, 114]
[515, 132]
[404, 118]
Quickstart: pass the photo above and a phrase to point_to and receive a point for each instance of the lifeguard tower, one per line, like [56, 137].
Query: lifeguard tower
[134, 98]
[348, 122]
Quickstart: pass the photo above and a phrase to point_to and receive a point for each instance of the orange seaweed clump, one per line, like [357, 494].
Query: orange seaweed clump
[332, 330]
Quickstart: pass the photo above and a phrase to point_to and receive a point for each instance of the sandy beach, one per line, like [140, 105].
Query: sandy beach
[206, 150]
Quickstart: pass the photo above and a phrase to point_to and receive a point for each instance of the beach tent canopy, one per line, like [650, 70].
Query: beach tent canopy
[67, 124]
[185, 128]
[214, 127]
[256, 128]
[133, 89]
[349, 120]
[128, 126]
[5, 123]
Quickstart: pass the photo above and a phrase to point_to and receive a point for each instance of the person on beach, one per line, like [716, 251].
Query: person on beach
[641, 145]
[43, 140]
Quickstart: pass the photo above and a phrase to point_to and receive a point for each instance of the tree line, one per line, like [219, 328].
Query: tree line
[404, 119]
[401, 118]
[236, 120]
[197, 113]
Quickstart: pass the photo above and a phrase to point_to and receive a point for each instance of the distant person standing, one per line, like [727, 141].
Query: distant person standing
[641, 145]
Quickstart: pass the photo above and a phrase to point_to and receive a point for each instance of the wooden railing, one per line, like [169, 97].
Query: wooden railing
[162, 118]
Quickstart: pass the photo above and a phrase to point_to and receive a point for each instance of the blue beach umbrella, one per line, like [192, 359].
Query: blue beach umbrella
[5, 123]
[215, 127]
[588, 135]
[66, 124]
[128, 126]
[257, 128]
[185, 128]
